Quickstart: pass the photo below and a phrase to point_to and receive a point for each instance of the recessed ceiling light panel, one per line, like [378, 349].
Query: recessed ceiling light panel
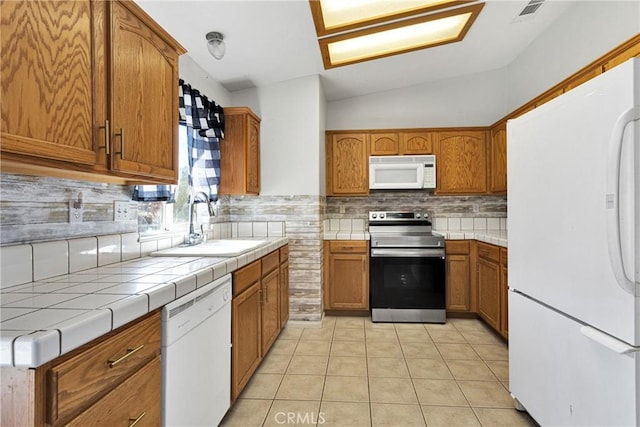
[331, 16]
[398, 37]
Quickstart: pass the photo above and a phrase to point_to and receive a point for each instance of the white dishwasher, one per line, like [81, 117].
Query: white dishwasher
[196, 356]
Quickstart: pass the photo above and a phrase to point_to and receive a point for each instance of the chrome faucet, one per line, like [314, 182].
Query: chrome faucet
[197, 238]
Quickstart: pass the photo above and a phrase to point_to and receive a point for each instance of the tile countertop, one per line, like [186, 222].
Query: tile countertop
[495, 237]
[42, 320]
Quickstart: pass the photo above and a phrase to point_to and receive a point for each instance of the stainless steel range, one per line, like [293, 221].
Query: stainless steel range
[407, 269]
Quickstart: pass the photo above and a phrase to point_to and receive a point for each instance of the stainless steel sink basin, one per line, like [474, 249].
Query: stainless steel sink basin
[220, 248]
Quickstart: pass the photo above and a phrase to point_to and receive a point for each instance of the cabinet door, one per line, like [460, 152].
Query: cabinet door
[461, 162]
[47, 70]
[504, 294]
[498, 158]
[458, 283]
[489, 292]
[245, 338]
[416, 143]
[284, 293]
[504, 302]
[270, 310]
[144, 98]
[253, 156]
[384, 144]
[348, 286]
[240, 152]
[348, 161]
[137, 400]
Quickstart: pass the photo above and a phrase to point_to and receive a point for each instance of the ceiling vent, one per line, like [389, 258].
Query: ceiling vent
[529, 11]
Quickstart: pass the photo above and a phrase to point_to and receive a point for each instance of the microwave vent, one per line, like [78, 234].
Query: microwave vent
[401, 159]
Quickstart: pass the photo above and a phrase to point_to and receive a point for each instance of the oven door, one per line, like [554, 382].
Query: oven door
[410, 278]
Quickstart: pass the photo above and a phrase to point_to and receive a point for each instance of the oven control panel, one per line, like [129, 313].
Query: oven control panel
[397, 216]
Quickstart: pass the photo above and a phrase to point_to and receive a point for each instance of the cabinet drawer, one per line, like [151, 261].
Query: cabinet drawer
[460, 247]
[349, 246]
[87, 375]
[270, 262]
[138, 398]
[284, 253]
[245, 277]
[489, 252]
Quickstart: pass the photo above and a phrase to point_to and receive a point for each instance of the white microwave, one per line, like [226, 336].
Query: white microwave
[402, 172]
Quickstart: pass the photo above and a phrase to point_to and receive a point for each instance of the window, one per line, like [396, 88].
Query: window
[161, 216]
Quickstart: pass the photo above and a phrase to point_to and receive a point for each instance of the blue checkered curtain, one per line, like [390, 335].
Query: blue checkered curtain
[205, 127]
[154, 193]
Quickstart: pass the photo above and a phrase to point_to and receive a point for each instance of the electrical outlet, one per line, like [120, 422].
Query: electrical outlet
[75, 213]
[120, 211]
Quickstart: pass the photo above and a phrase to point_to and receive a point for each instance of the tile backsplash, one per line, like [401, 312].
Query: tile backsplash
[436, 206]
[42, 260]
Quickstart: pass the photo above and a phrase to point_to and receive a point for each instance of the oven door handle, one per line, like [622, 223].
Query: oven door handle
[407, 253]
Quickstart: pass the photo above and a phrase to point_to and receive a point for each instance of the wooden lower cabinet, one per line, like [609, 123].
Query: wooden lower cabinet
[504, 294]
[489, 292]
[458, 259]
[270, 303]
[108, 381]
[346, 284]
[137, 400]
[491, 273]
[284, 285]
[256, 315]
[245, 337]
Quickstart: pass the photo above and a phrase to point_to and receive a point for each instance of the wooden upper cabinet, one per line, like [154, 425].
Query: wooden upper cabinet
[347, 164]
[401, 143]
[93, 91]
[461, 162]
[498, 159]
[416, 143]
[384, 144]
[47, 72]
[144, 125]
[240, 152]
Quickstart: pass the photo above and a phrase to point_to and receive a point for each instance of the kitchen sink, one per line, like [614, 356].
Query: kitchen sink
[221, 248]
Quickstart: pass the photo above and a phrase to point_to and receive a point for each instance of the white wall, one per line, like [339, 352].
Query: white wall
[200, 79]
[472, 100]
[291, 135]
[586, 31]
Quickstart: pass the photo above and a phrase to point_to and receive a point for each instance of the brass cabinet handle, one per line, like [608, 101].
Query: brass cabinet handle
[121, 135]
[107, 136]
[130, 351]
[134, 421]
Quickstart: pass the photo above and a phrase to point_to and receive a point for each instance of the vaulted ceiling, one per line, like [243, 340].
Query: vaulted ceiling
[270, 41]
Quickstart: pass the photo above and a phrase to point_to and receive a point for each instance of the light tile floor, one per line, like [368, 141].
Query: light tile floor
[352, 372]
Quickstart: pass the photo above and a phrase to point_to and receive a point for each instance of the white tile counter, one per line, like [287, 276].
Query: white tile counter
[495, 237]
[47, 317]
[488, 230]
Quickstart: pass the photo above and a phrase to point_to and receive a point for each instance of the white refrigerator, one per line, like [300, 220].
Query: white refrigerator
[574, 254]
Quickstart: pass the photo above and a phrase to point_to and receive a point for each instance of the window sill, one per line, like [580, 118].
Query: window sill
[149, 236]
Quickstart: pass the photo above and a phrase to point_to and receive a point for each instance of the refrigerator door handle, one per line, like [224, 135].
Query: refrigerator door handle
[608, 341]
[612, 199]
